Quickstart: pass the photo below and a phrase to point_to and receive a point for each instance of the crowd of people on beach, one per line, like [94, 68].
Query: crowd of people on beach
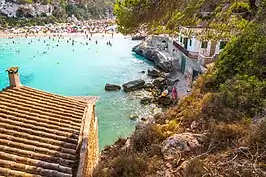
[52, 35]
[88, 27]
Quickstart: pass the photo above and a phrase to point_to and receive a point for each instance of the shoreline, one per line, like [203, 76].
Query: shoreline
[24, 35]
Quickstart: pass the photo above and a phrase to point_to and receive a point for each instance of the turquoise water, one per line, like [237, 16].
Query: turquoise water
[79, 70]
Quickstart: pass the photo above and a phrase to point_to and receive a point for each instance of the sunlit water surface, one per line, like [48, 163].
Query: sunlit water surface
[79, 70]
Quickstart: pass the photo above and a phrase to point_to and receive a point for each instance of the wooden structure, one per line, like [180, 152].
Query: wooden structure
[43, 134]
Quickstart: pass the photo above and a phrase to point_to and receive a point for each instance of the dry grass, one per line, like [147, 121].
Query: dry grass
[223, 135]
[194, 168]
[143, 139]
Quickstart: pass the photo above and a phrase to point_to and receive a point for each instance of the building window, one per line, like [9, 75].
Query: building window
[190, 42]
[204, 45]
[181, 39]
[222, 44]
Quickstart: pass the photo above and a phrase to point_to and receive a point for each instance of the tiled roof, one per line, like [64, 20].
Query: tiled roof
[88, 99]
[39, 133]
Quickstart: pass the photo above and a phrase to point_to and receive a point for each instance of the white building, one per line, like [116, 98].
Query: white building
[193, 53]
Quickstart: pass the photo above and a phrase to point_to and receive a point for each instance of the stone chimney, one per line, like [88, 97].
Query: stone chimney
[14, 80]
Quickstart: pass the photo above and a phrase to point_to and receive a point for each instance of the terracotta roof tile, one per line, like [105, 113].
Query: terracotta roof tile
[39, 132]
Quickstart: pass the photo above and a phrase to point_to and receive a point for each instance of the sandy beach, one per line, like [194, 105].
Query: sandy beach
[23, 35]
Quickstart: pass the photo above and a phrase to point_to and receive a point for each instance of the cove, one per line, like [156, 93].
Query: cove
[82, 69]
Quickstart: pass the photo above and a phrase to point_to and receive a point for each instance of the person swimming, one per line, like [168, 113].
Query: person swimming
[109, 43]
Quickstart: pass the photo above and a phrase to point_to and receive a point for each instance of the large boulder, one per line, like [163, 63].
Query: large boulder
[111, 87]
[161, 58]
[134, 85]
[174, 145]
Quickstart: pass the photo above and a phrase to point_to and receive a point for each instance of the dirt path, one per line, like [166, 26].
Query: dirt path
[182, 84]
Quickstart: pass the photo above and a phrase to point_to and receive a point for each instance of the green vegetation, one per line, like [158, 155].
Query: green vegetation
[25, 1]
[20, 22]
[227, 104]
[226, 16]
[82, 10]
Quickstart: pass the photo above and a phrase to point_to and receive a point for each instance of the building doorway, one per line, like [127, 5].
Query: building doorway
[185, 43]
[183, 64]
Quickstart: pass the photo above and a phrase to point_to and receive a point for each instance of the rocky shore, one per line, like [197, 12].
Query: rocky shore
[149, 93]
[154, 94]
[158, 55]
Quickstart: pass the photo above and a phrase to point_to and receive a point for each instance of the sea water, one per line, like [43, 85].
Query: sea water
[80, 69]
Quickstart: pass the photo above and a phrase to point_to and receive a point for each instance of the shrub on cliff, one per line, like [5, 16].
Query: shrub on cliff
[243, 56]
[24, 1]
[143, 138]
[124, 165]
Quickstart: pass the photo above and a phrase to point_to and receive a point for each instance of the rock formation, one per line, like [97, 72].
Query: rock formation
[112, 87]
[184, 142]
[153, 73]
[161, 58]
[14, 9]
[159, 82]
[134, 85]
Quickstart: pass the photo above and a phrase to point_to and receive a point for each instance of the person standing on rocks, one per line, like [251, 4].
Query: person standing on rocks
[174, 93]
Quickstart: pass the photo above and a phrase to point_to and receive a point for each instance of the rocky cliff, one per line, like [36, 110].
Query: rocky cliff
[59, 9]
[15, 8]
[158, 55]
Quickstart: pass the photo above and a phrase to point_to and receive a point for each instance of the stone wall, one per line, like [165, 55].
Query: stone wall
[92, 148]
